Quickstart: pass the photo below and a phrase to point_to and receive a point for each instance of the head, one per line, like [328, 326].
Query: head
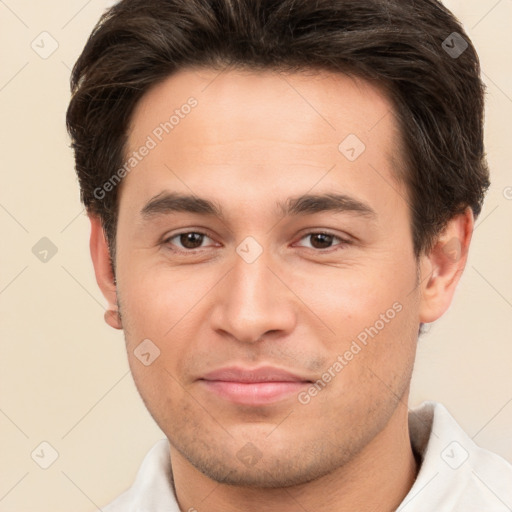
[326, 160]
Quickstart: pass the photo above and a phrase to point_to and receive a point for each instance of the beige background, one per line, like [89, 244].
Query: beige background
[63, 372]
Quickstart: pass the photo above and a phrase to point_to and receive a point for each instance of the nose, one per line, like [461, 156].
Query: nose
[253, 300]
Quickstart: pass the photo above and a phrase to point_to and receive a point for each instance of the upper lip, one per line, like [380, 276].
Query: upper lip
[261, 374]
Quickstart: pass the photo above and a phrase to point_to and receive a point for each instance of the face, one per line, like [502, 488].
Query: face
[254, 275]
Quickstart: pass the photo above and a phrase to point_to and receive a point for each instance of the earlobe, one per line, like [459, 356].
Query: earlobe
[442, 268]
[103, 270]
[113, 318]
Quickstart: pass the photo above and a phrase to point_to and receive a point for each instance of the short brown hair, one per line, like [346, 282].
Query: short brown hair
[431, 74]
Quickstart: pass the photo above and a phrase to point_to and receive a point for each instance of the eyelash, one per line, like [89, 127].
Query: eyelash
[343, 242]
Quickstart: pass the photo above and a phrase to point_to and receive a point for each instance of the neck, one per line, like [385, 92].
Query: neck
[377, 479]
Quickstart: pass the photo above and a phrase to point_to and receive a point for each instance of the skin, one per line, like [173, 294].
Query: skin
[252, 140]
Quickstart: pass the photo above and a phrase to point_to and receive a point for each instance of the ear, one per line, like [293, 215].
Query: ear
[103, 269]
[440, 270]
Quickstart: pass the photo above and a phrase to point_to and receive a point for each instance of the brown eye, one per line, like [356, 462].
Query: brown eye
[321, 240]
[191, 240]
[187, 241]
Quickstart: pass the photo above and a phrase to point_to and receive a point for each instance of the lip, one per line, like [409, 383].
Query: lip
[247, 375]
[257, 386]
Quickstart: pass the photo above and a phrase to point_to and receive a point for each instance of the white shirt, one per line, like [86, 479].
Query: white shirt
[456, 475]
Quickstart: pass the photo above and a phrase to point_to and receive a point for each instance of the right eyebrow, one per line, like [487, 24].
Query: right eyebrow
[169, 202]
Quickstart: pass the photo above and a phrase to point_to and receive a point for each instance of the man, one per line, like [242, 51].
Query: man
[281, 193]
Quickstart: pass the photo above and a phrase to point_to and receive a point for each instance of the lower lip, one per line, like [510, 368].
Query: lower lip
[255, 393]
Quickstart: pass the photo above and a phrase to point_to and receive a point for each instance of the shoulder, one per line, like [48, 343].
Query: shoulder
[153, 488]
[456, 474]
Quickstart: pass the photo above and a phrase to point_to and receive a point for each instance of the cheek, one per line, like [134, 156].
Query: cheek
[160, 309]
[350, 299]
[367, 373]
[374, 317]
[155, 299]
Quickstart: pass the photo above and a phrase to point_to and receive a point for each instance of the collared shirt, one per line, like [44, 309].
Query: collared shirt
[455, 474]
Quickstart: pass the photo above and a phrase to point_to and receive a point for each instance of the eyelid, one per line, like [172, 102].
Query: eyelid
[201, 231]
[342, 241]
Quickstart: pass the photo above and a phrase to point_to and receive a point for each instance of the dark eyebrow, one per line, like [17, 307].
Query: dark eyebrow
[169, 202]
[306, 204]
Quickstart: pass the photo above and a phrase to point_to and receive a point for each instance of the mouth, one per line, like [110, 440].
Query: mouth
[259, 386]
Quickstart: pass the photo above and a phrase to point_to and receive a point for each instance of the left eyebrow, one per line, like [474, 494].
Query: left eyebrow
[306, 204]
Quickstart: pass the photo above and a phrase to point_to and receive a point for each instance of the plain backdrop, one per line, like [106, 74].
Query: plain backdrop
[64, 377]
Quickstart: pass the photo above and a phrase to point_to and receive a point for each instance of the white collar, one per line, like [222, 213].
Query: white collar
[455, 474]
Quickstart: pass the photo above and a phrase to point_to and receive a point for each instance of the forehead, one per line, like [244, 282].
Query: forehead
[263, 104]
[267, 126]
